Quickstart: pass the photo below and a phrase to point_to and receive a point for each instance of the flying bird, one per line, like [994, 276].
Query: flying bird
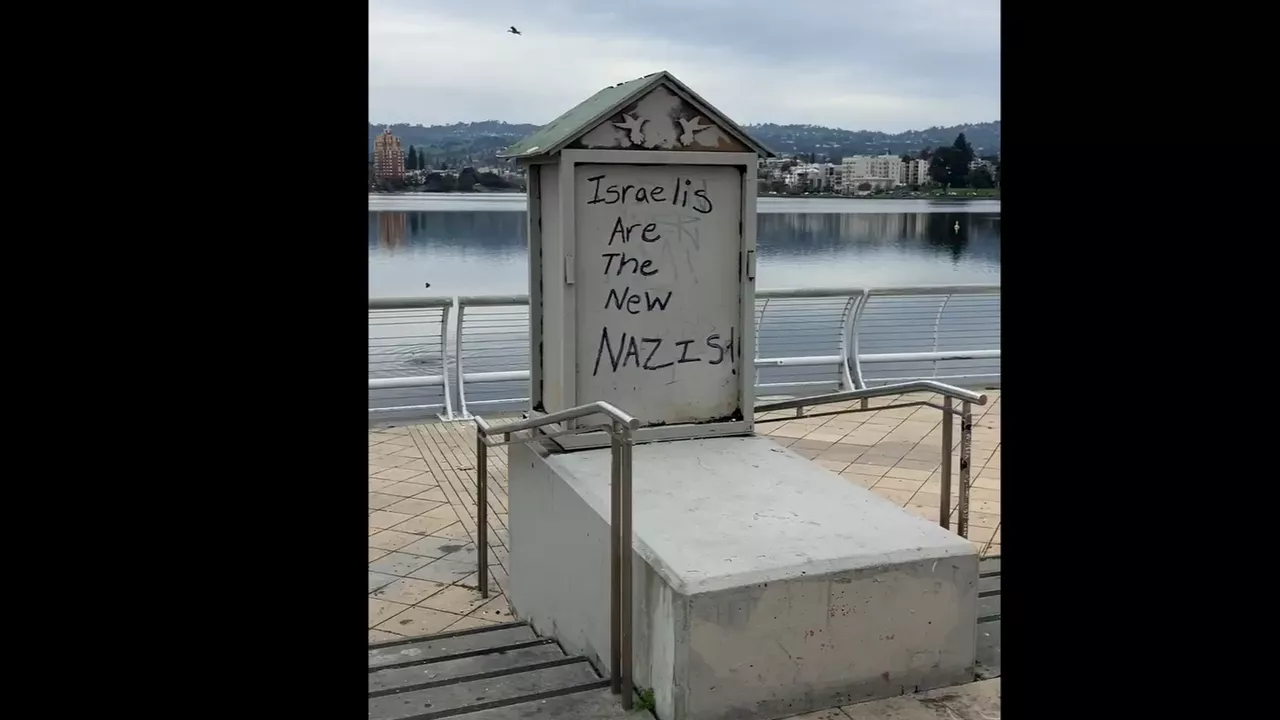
[514, 31]
[691, 127]
[633, 124]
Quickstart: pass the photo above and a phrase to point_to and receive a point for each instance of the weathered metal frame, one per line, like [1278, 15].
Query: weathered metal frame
[948, 392]
[621, 429]
[565, 175]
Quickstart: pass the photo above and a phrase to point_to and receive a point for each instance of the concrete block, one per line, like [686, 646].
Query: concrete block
[764, 585]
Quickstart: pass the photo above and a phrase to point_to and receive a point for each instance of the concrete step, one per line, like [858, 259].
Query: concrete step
[988, 649]
[498, 673]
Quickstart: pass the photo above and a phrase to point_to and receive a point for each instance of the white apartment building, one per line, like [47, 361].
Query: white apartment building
[914, 172]
[881, 172]
[822, 177]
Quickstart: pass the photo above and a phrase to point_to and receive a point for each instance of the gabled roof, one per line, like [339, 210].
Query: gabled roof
[555, 135]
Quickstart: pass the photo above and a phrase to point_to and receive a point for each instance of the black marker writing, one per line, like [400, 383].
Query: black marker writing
[636, 265]
[632, 300]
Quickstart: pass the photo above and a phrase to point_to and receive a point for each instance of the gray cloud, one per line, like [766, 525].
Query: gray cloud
[879, 64]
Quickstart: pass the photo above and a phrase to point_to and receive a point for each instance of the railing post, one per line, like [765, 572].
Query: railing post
[615, 560]
[966, 448]
[628, 443]
[482, 512]
[944, 506]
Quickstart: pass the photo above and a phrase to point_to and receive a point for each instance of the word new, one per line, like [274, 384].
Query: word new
[632, 300]
[642, 195]
[629, 349]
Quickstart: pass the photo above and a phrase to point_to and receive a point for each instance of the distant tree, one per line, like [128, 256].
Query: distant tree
[966, 150]
[467, 179]
[906, 157]
[939, 166]
[863, 187]
[981, 178]
[443, 165]
[448, 183]
[813, 158]
[925, 154]
[491, 180]
[411, 159]
[777, 186]
[422, 160]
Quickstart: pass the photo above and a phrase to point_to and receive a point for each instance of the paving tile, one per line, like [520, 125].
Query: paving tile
[379, 580]
[381, 636]
[434, 547]
[407, 591]
[885, 461]
[471, 621]
[412, 506]
[419, 621]
[445, 571]
[381, 610]
[892, 483]
[375, 553]
[455, 599]
[398, 474]
[433, 493]
[384, 519]
[907, 473]
[378, 484]
[426, 524]
[407, 489]
[391, 539]
[457, 531]
[398, 563]
[865, 481]
[496, 609]
[835, 466]
[378, 501]
[899, 497]
[386, 462]
[876, 471]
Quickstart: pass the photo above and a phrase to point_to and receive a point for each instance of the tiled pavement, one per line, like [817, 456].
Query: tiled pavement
[422, 556]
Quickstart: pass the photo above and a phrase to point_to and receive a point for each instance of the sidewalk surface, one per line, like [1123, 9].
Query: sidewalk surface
[422, 480]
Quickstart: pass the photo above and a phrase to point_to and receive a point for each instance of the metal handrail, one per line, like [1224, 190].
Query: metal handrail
[620, 428]
[948, 392]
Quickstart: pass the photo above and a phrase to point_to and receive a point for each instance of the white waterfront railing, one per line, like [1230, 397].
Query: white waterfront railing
[808, 341]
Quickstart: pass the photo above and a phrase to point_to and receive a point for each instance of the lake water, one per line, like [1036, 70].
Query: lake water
[476, 244]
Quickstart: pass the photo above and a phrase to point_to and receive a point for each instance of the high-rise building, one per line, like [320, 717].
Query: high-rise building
[388, 158]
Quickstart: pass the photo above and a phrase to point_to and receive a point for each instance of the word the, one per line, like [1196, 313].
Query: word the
[633, 300]
[648, 195]
[628, 350]
[636, 266]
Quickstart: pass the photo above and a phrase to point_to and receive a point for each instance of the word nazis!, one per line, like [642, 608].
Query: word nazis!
[629, 349]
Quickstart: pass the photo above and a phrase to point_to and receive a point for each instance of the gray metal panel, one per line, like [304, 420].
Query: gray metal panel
[446, 700]
[448, 671]
[438, 647]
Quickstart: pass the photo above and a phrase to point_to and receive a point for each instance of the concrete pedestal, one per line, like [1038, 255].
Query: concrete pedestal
[764, 585]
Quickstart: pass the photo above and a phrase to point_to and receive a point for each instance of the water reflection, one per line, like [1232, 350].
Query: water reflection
[480, 252]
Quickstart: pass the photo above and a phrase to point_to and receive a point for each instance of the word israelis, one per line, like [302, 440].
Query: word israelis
[641, 195]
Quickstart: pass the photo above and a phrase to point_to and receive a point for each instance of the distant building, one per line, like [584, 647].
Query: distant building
[881, 172]
[388, 158]
[914, 172]
[817, 177]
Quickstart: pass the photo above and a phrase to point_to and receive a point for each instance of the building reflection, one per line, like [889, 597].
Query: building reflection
[393, 229]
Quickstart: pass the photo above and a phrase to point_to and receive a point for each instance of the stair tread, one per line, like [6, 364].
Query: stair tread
[449, 699]
[434, 647]
[585, 705]
[445, 671]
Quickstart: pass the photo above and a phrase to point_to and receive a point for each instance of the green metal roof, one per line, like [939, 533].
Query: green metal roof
[560, 132]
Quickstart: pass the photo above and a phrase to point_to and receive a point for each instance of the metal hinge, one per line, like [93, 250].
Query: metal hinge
[568, 269]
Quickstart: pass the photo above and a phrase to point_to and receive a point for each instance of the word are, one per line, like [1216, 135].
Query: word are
[644, 268]
[624, 232]
[614, 194]
[630, 348]
[633, 300]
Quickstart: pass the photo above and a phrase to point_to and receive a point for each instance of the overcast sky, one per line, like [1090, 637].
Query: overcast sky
[888, 65]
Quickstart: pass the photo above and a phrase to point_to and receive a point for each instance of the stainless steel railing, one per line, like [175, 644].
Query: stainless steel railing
[809, 341]
[948, 392]
[620, 428]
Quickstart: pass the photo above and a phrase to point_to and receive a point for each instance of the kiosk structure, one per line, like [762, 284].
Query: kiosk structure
[642, 204]
[763, 585]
